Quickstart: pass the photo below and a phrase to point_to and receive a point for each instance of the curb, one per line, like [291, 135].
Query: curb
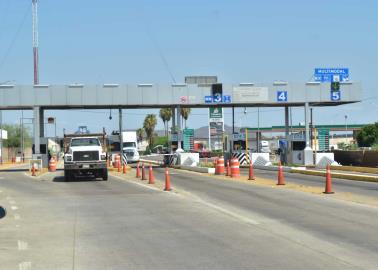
[354, 177]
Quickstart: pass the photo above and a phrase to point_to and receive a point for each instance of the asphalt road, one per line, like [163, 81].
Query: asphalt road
[343, 185]
[208, 224]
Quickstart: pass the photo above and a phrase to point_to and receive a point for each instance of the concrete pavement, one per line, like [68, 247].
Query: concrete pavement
[120, 224]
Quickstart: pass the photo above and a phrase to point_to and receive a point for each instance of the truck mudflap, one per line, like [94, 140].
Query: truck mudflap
[85, 166]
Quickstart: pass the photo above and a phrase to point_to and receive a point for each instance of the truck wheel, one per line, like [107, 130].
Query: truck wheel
[105, 175]
[67, 176]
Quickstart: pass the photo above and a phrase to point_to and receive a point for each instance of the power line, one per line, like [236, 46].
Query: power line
[11, 45]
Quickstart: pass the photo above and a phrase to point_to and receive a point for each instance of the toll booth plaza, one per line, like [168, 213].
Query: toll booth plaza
[127, 96]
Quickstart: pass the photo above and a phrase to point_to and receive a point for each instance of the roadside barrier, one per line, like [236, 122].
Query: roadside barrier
[52, 164]
[228, 171]
[235, 170]
[151, 178]
[251, 175]
[328, 186]
[124, 168]
[281, 177]
[143, 172]
[220, 166]
[137, 171]
[167, 180]
[215, 165]
[33, 170]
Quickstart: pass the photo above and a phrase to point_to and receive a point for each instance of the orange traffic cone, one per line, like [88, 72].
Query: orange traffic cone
[33, 170]
[281, 178]
[151, 178]
[251, 175]
[138, 171]
[167, 180]
[328, 187]
[119, 167]
[143, 173]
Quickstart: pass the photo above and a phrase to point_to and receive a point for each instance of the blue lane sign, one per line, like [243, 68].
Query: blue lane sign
[208, 99]
[335, 95]
[217, 98]
[281, 96]
[331, 74]
[226, 99]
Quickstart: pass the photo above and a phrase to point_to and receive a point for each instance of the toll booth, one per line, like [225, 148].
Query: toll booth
[296, 147]
[48, 147]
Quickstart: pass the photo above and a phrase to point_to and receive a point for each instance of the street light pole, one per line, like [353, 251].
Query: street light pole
[346, 129]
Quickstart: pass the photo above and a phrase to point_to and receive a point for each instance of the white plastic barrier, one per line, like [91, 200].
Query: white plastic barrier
[324, 159]
[188, 159]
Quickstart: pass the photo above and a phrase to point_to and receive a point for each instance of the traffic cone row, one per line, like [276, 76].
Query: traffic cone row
[141, 173]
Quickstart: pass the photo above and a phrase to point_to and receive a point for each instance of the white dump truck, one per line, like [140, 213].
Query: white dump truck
[85, 155]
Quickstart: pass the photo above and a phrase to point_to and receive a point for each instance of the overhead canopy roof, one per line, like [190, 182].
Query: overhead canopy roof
[158, 95]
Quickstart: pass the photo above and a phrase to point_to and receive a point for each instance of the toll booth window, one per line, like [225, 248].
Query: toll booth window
[299, 146]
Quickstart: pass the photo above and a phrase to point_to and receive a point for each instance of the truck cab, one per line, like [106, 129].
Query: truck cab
[85, 156]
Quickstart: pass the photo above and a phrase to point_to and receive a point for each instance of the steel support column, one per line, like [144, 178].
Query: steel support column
[178, 127]
[287, 150]
[120, 135]
[308, 153]
[37, 128]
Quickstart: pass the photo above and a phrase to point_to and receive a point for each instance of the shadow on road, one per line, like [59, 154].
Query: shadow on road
[60, 179]
[15, 170]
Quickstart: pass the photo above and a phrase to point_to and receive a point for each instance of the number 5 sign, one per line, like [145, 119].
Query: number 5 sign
[335, 95]
[281, 96]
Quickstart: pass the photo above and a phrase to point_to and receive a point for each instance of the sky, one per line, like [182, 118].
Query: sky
[149, 41]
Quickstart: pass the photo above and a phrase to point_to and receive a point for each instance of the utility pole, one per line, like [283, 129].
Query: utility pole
[35, 41]
[120, 135]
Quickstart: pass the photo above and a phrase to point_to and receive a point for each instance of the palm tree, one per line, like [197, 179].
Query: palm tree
[185, 112]
[165, 115]
[140, 134]
[149, 127]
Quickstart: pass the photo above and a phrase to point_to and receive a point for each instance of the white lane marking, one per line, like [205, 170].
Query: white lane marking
[14, 207]
[22, 245]
[24, 266]
[230, 213]
[17, 216]
[136, 183]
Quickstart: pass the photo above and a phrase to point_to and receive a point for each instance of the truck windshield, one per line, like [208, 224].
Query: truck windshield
[129, 144]
[85, 142]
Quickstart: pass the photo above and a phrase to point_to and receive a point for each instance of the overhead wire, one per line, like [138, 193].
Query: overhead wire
[11, 45]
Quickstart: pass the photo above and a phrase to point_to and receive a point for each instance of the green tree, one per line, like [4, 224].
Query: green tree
[185, 112]
[14, 136]
[140, 134]
[149, 127]
[165, 115]
[368, 135]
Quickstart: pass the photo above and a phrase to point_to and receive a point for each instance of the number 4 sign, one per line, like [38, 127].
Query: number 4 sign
[281, 96]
